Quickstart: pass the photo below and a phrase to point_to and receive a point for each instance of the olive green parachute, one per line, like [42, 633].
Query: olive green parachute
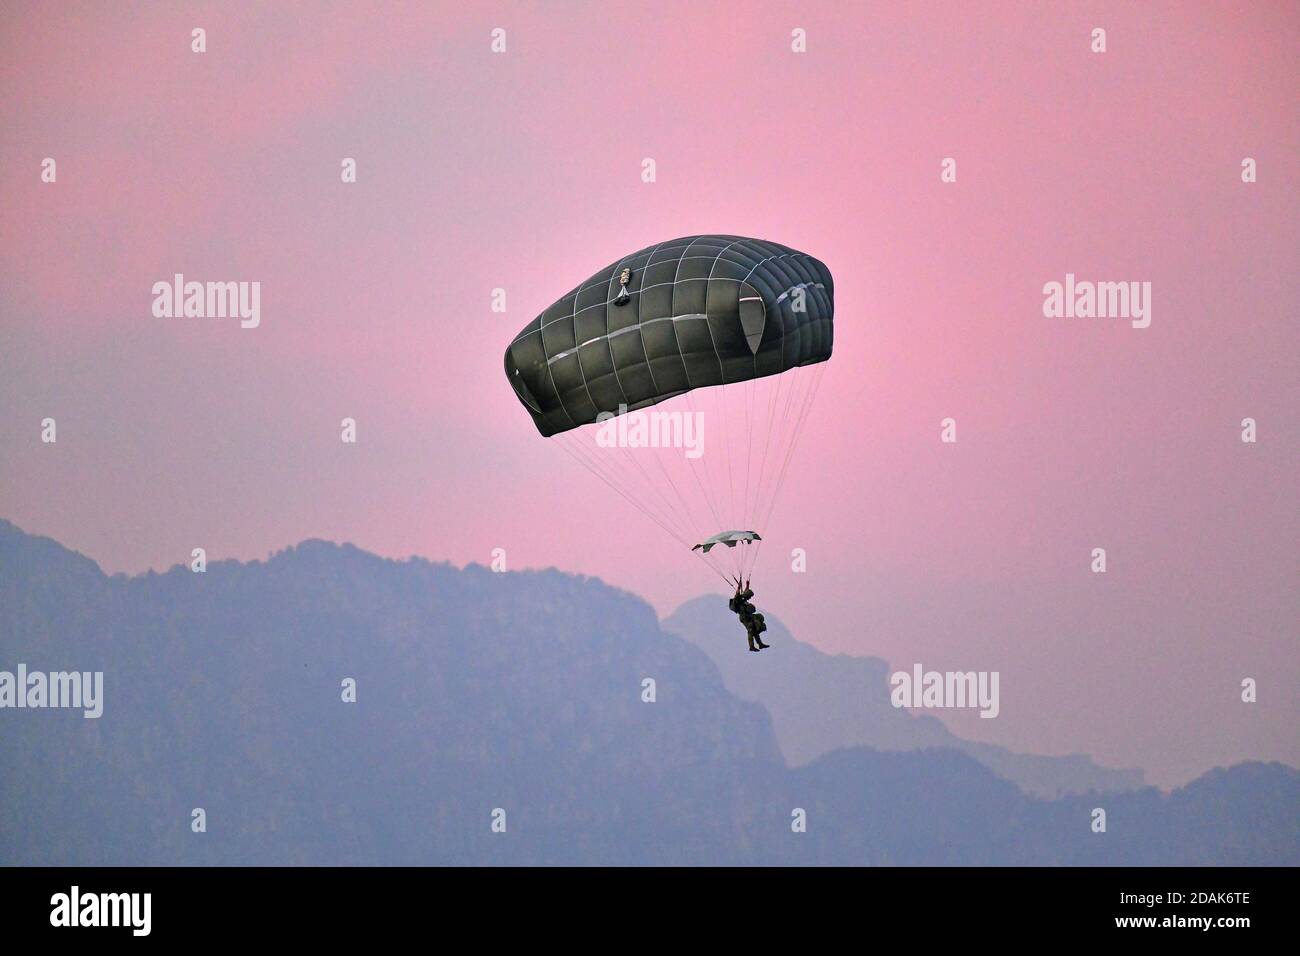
[731, 335]
[694, 312]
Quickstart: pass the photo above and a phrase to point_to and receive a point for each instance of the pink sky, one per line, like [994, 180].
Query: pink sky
[522, 171]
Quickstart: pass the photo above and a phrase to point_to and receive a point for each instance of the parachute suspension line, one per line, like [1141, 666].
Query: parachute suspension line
[624, 469]
[682, 514]
[767, 437]
[683, 500]
[683, 511]
[766, 425]
[712, 410]
[585, 457]
[580, 457]
[711, 566]
[749, 447]
[632, 466]
[734, 515]
[752, 479]
[750, 450]
[810, 399]
[680, 504]
[782, 426]
[613, 470]
[773, 425]
[719, 476]
[605, 470]
[740, 490]
[755, 420]
[731, 480]
[703, 485]
[627, 475]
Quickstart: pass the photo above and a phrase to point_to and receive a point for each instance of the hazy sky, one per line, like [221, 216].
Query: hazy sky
[522, 170]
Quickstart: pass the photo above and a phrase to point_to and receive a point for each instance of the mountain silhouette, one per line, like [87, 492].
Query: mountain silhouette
[820, 702]
[478, 691]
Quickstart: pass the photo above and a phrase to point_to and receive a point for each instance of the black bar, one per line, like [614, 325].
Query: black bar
[333, 906]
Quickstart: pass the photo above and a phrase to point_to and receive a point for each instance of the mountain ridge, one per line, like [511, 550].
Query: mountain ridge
[819, 701]
[479, 691]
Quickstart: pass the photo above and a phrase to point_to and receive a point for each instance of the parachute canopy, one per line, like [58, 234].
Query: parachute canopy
[731, 335]
[680, 315]
[729, 538]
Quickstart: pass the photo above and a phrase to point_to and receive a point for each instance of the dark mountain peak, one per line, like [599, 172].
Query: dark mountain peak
[1245, 776]
[28, 555]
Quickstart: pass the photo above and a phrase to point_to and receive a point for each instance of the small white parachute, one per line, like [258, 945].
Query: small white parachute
[729, 538]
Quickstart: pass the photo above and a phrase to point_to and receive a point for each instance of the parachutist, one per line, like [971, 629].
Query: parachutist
[749, 615]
